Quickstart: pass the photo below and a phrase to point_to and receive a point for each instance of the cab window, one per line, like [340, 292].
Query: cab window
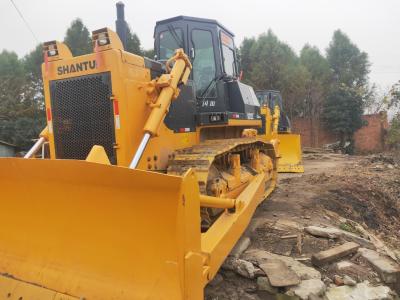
[170, 40]
[228, 54]
[204, 68]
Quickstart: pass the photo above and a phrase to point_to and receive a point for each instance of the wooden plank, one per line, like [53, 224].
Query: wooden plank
[327, 256]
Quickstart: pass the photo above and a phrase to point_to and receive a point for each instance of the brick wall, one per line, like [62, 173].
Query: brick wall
[369, 138]
[312, 133]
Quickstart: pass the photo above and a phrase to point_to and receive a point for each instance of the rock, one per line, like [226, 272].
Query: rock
[261, 256]
[341, 265]
[289, 236]
[216, 280]
[239, 266]
[390, 166]
[258, 272]
[279, 274]
[388, 270]
[264, 285]
[308, 287]
[338, 280]
[328, 232]
[314, 297]
[351, 237]
[362, 291]
[347, 280]
[378, 167]
[323, 257]
[229, 263]
[327, 281]
[334, 233]
[245, 268]
[240, 247]
[364, 233]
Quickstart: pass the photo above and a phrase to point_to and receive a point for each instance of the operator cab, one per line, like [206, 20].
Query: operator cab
[209, 45]
[214, 89]
[272, 98]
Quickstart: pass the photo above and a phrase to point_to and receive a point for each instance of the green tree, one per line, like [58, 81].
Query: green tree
[343, 109]
[33, 63]
[393, 137]
[34, 92]
[149, 53]
[394, 97]
[350, 65]
[78, 38]
[21, 103]
[133, 42]
[245, 59]
[268, 63]
[317, 87]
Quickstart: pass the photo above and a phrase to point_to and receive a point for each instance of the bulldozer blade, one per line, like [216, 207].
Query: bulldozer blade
[290, 160]
[92, 231]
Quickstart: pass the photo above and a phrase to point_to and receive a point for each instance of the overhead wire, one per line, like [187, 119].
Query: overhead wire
[25, 21]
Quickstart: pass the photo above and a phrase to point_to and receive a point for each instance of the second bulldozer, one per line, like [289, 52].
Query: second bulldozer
[155, 169]
[289, 143]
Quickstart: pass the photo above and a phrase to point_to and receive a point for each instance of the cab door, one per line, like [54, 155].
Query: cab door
[206, 72]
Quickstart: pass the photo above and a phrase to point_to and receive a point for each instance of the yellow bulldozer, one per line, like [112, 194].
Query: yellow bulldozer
[156, 168]
[289, 143]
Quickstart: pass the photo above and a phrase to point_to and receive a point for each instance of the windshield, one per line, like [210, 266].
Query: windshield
[169, 42]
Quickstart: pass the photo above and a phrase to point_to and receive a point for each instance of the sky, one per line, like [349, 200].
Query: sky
[374, 25]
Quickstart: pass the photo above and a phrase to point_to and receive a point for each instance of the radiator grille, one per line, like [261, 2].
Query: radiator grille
[82, 116]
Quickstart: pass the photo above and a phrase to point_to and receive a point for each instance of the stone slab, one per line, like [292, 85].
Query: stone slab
[362, 291]
[327, 232]
[279, 274]
[388, 270]
[345, 264]
[309, 287]
[261, 256]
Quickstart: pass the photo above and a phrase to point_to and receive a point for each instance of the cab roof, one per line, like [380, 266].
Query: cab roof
[193, 19]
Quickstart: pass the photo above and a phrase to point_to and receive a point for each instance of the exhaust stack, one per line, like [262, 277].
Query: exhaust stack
[120, 23]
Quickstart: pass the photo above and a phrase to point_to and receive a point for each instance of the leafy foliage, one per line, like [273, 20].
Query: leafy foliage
[132, 42]
[393, 137]
[350, 66]
[268, 63]
[78, 39]
[21, 99]
[149, 53]
[344, 105]
[318, 80]
[343, 110]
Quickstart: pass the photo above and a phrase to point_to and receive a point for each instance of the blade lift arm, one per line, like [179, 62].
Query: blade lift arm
[168, 85]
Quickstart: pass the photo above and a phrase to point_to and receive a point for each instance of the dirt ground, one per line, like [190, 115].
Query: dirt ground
[335, 190]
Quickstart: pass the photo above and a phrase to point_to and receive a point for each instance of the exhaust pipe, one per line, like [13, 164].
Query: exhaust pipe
[120, 23]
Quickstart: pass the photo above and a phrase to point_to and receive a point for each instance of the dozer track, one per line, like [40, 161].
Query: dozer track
[202, 156]
[215, 169]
